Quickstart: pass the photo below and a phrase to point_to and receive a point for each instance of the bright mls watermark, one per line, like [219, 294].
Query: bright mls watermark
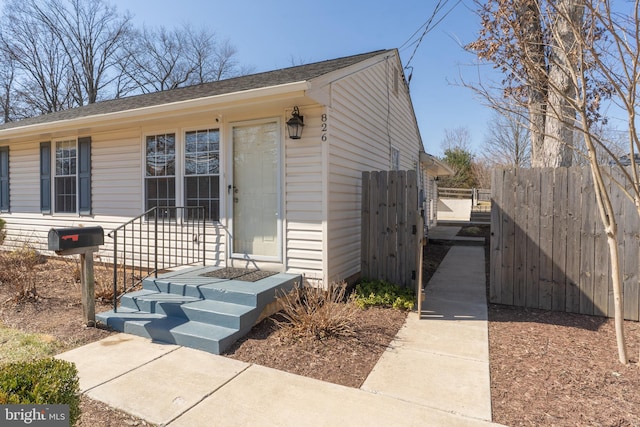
[34, 415]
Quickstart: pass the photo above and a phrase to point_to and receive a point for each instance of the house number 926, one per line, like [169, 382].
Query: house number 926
[324, 127]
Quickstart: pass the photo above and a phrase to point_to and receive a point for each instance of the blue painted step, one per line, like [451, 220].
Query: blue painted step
[188, 309]
[175, 330]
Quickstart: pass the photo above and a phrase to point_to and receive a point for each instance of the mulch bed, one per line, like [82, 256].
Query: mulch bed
[561, 369]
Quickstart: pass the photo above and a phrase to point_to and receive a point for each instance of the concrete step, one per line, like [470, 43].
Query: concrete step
[157, 302]
[187, 308]
[480, 217]
[173, 330]
[222, 291]
[221, 313]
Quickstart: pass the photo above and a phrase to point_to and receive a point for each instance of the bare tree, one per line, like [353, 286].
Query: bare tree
[65, 51]
[457, 138]
[507, 142]
[615, 141]
[596, 51]
[58, 54]
[92, 33]
[43, 83]
[164, 59]
[482, 171]
[528, 41]
[7, 89]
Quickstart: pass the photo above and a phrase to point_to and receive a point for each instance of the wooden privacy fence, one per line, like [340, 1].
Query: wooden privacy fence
[391, 242]
[548, 246]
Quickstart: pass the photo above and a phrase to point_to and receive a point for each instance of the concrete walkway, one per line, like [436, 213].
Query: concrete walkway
[436, 372]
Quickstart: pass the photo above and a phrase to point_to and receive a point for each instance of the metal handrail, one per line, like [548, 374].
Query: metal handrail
[163, 237]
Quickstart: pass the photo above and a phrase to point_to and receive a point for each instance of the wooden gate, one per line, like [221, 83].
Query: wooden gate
[391, 227]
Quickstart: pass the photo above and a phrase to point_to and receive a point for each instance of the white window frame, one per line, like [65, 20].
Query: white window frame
[55, 176]
[180, 174]
[145, 204]
[182, 190]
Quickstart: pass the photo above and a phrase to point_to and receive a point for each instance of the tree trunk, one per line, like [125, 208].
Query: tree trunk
[535, 66]
[561, 113]
[618, 304]
[607, 215]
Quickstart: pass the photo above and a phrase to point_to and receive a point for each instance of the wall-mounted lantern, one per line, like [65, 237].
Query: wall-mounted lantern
[295, 124]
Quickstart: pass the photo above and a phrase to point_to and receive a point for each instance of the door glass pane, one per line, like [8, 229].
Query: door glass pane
[255, 192]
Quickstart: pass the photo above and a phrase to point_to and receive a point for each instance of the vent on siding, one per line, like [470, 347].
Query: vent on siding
[396, 83]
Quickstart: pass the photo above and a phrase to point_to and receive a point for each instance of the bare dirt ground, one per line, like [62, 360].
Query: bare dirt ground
[546, 368]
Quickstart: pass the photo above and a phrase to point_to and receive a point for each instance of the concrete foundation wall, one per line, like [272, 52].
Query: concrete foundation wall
[454, 209]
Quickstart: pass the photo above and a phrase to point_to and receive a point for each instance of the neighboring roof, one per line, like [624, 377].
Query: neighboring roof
[237, 84]
[437, 167]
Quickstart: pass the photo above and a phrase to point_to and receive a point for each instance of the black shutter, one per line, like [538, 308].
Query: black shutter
[45, 177]
[84, 175]
[4, 179]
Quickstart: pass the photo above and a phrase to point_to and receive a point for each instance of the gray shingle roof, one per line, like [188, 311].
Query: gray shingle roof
[237, 84]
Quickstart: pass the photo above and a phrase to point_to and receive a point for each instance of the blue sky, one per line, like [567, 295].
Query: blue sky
[272, 34]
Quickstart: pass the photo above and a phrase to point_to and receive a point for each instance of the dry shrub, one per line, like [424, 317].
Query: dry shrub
[102, 277]
[3, 231]
[18, 271]
[318, 313]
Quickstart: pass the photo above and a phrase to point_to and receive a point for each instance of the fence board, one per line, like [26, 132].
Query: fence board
[587, 243]
[558, 297]
[414, 237]
[520, 241]
[495, 253]
[574, 222]
[374, 195]
[601, 272]
[548, 246]
[533, 237]
[546, 240]
[632, 260]
[391, 244]
[401, 209]
[508, 237]
[365, 225]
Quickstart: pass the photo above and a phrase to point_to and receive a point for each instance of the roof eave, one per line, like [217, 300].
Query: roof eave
[132, 114]
[432, 164]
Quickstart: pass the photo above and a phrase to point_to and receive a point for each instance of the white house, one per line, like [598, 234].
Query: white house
[287, 205]
[432, 169]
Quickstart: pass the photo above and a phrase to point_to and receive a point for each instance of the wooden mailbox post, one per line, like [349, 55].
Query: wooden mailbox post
[83, 241]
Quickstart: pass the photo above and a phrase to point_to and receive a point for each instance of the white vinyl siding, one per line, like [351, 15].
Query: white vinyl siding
[304, 202]
[116, 178]
[367, 121]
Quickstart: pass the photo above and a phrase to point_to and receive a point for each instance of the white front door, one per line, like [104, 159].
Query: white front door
[255, 196]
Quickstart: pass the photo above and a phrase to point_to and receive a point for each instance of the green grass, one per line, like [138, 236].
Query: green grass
[18, 346]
